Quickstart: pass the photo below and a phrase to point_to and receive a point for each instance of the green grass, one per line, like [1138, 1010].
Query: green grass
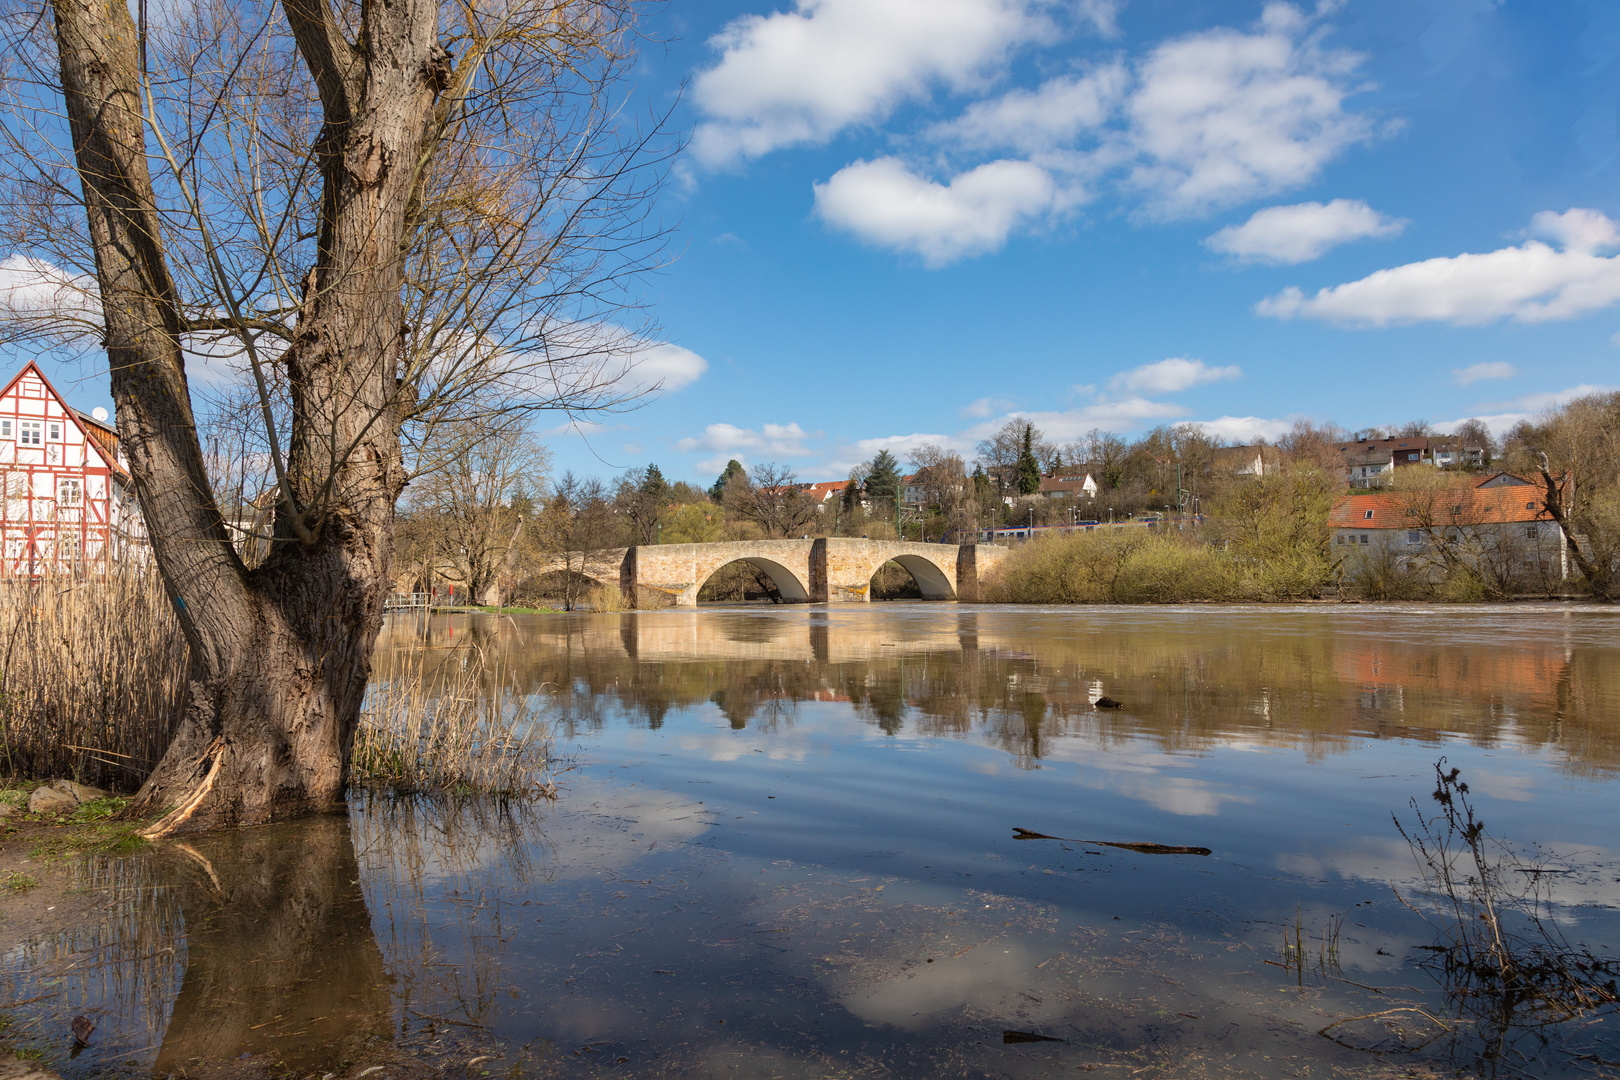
[101, 837]
[12, 881]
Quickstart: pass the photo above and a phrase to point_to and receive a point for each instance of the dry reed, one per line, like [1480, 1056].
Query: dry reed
[456, 728]
[94, 673]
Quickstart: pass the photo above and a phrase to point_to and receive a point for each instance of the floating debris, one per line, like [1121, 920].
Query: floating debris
[1106, 702]
[1139, 848]
[1028, 1037]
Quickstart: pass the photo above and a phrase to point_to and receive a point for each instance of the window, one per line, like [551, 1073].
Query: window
[56, 431]
[1363, 538]
[1529, 506]
[68, 492]
[29, 433]
[1531, 532]
[1367, 516]
[1341, 541]
[5, 429]
[1414, 537]
[1411, 457]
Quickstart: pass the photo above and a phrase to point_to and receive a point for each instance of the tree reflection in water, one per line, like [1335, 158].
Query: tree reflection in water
[280, 956]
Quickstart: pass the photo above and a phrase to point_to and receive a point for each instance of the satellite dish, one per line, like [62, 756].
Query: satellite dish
[99, 414]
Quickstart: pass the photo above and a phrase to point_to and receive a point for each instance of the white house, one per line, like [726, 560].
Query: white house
[68, 503]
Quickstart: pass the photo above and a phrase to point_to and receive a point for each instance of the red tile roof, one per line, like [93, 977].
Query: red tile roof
[1469, 506]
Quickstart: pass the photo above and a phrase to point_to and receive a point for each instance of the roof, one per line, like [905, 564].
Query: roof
[825, 490]
[1506, 479]
[100, 435]
[1453, 506]
[1371, 451]
[1065, 482]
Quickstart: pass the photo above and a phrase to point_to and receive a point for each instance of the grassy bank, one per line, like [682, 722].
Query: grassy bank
[1138, 566]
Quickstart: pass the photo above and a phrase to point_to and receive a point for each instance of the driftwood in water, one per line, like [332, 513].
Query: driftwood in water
[1141, 848]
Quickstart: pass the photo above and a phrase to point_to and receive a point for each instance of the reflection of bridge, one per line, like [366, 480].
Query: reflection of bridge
[827, 570]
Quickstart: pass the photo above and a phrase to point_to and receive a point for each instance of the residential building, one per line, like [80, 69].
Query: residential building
[68, 501]
[1500, 524]
[1074, 483]
[1256, 461]
[1372, 462]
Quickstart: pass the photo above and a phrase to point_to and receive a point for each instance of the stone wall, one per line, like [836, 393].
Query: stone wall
[829, 570]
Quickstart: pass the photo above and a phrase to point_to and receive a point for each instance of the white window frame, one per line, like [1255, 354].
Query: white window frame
[69, 491]
[53, 429]
[25, 428]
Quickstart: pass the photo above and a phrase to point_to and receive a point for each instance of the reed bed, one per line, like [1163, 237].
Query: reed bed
[94, 673]
[454, 727]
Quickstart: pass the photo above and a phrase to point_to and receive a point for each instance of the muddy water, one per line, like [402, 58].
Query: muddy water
[785, 847]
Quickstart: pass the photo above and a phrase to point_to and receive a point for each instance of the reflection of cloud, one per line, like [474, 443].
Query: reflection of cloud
[989, 976]
[1145, 776]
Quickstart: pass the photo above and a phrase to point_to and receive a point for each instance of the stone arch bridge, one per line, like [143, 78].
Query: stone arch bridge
[827, 570]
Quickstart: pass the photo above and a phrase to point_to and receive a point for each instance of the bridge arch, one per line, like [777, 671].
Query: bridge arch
[788, 584]
[931, 580]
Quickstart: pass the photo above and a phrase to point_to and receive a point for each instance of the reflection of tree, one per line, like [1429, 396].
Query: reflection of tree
[280, 958]
[1315, 684]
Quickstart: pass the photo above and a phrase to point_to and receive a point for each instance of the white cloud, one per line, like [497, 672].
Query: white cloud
[1200, 122]
[1489, 369]
[1246, 429]
[1222, 116]
[1500, 416]
[884, 203]
[1053, 115]
[1103, 15]
[1123, 414]
[728, 441]
[1529, 283]
[666, 366]
[1300, 233]
[1576, 229]
[802, 76]
[48, 299]
[1172, 375]
[985, 406]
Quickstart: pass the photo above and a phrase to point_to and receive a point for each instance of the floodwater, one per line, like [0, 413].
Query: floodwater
[784, 846]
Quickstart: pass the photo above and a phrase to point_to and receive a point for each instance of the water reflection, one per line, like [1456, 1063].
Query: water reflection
[785, 849]
[1312, 677]
[280, 957]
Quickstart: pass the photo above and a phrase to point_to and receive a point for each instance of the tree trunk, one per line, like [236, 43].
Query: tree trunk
[280, 655]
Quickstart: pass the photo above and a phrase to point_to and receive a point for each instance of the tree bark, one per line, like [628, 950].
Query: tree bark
[280, 655]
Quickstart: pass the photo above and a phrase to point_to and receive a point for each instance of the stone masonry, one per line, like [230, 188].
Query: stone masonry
[821, 571]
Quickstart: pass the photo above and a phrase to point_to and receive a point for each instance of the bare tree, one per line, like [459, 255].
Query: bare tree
[370, 232]
[772, 498]
[464, 506]
[577, 523]
[1576, 453]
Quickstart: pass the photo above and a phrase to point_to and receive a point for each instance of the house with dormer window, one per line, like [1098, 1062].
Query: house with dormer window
[67, 504]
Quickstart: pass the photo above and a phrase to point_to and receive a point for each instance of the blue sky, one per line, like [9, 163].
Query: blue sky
[901, 221]
[907, 220]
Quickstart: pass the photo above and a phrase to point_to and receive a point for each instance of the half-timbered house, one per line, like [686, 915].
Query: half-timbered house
[68, 505]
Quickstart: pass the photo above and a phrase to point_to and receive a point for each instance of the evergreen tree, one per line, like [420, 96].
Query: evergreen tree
[733, 468]
[1029, 470]
[983, 489]
[883, 477]
[654, 485]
